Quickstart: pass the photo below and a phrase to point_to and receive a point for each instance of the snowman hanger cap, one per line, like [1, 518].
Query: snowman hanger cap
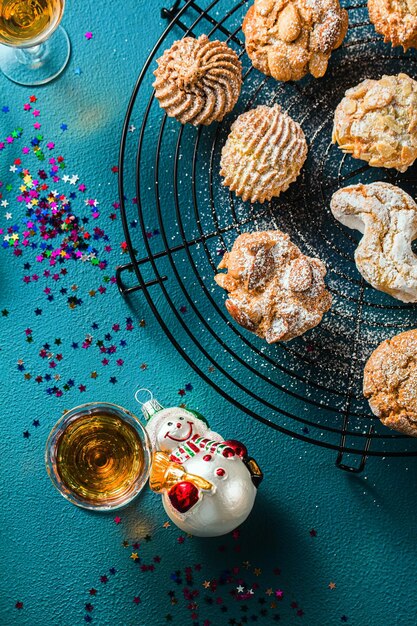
[150, 406]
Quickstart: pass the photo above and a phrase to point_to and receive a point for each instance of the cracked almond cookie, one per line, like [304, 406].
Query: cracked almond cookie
[390, 382]
[263, 154]
[274, 290]
[288, 39]
[377, 122]
[198, 81]
[396, 20]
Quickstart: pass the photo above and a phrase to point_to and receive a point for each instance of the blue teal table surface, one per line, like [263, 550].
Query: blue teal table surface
[321, 547]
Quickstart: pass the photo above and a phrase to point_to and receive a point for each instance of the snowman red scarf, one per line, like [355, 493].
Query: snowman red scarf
[197, 444]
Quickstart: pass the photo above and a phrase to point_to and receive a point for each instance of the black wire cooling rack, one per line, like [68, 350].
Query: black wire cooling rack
[178, 220]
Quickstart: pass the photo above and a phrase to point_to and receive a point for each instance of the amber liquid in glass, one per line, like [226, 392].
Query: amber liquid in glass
[100, 459]
[28, 22]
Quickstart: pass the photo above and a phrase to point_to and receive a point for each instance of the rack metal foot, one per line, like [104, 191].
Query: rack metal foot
[168, 14]
[359, 468]
[124, 289]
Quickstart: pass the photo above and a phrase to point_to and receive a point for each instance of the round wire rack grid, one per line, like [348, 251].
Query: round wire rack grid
[178, 220]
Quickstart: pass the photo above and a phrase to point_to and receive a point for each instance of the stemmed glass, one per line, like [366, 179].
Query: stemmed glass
[36, 49]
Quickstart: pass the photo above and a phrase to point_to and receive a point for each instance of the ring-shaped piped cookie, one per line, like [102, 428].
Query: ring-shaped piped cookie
[198, 81]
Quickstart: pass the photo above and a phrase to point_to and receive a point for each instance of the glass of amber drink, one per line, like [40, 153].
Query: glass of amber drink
[98, 456]
[34, 48]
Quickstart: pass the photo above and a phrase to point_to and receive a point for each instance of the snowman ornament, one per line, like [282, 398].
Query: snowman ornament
[208, 485]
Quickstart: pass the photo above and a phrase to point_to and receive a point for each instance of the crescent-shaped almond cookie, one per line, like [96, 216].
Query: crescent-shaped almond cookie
[387, 217]
[274, 290]
[390, 382]
[377, 122]
[198, 81]
[263, 154]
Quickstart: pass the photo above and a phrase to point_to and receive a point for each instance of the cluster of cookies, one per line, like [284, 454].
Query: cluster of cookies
[274, 290]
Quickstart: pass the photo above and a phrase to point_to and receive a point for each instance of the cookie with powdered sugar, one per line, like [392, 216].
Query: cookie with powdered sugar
[288, 39]
[390, 382]
[274, 290]
[387, 217]
[396, 20]
[377, 122]
[263, 154]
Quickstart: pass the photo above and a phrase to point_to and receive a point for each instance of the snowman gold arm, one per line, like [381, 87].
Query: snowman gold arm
[165, 474]
[255, 471]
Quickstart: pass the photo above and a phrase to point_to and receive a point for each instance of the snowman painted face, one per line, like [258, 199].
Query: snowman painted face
[175, 430]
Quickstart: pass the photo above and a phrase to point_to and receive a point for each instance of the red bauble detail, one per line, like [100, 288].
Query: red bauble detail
[238, 447]
[228, 453]
[220, 471]
[207, 457]
[183, 496]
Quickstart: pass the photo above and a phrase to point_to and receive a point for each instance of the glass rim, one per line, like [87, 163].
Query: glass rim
[59, 428]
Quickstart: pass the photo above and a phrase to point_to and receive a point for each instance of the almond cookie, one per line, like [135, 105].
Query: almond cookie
[198, 81]
[287, 39]
[390, 382]
[274, 290]
[263, 154]
[377, 122]
[396, 20]
[387, 217]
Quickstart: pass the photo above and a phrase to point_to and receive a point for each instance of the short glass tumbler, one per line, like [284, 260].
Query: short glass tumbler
[98, 456]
